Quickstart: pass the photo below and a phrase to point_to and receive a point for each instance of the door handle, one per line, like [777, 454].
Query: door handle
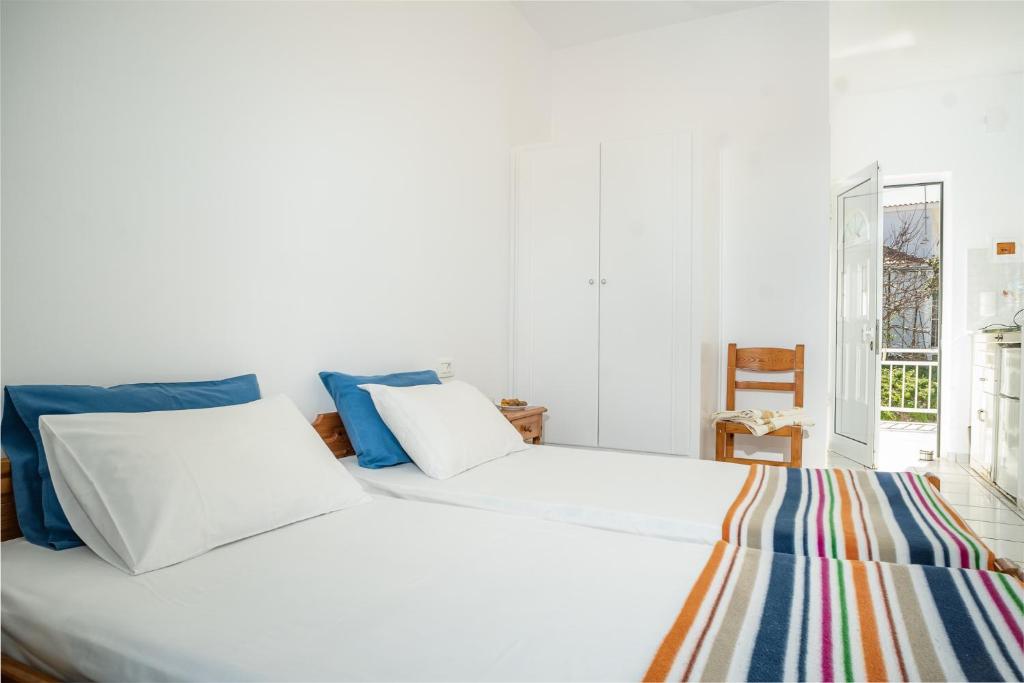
[870, 335]
[604, 281]
[590, 281]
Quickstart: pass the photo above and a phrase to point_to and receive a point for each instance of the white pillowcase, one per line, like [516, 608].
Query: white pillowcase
[147, 490]
[445, 428]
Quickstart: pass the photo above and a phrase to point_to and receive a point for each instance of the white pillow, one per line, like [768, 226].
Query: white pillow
[445, 428]
[147, 490]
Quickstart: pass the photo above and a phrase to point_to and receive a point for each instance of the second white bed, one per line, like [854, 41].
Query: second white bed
[677, 498]
[389, 590]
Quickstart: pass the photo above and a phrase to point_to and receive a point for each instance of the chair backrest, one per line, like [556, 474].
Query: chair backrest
[763, 359]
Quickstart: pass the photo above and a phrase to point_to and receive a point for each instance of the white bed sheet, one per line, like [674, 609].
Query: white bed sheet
[673, 497]
[391, 590]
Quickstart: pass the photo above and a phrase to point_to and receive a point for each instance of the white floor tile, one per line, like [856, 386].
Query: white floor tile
[955, 485]
[1009, 549]
[999, 515]
[973, 497]
[839, 462]
[941, 467]
[952, 477]
[1003, 532]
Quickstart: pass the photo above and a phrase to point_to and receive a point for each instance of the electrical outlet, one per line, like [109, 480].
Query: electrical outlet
[445, 368]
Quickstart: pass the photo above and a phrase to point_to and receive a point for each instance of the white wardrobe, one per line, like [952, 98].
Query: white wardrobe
[603, 312]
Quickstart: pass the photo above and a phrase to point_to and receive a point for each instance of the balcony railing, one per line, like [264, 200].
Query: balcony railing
[910, 383]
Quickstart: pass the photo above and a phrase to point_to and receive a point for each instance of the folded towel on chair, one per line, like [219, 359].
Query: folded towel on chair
[760, 422]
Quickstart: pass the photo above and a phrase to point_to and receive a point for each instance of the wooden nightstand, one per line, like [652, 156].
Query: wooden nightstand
[529, 422]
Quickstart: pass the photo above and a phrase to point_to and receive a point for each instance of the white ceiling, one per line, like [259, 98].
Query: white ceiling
[885, 45]
[564, 23]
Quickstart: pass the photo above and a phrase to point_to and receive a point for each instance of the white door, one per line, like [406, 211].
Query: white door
[556, 291]
[646, 387]
[857, 212]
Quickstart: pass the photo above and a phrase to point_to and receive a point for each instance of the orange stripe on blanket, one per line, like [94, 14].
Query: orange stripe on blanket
[658, 671]
[874, 663]
[849, 533]
[739, 499]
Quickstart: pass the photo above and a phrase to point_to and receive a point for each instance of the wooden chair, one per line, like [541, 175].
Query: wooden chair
[762, 360]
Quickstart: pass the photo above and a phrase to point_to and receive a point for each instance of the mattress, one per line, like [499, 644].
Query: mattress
[389, 590]
[842, 514]
[670, 497]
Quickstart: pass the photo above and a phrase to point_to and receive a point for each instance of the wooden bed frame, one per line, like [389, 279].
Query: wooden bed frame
[331, 429]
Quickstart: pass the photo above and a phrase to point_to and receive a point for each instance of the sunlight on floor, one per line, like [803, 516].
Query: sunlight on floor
[901, 443]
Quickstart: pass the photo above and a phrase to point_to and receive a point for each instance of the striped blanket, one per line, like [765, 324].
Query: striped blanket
[759, 616]
[851, 515]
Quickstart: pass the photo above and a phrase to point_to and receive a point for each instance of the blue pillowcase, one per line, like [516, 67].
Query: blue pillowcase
[40, 515]
[373, 442]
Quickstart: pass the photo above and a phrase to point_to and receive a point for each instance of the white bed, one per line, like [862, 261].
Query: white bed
[677, 498]
[388, 590]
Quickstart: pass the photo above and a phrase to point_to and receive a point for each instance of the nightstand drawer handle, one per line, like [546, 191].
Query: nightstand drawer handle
[527, 429]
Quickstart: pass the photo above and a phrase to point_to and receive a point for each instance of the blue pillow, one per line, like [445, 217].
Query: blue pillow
[373, 442]
[40, 515]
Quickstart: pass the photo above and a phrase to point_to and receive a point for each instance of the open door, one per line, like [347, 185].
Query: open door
[857, 212]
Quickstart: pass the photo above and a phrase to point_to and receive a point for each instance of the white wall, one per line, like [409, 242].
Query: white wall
[945, 101]
[195, 190]
[753, 85]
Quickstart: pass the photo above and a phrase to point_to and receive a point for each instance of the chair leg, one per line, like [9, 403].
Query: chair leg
[796, 449]
[719, 442]
[730, 443]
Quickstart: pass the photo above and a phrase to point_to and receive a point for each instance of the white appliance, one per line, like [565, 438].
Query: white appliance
[1008, 454]
[603, 314]
[995, 403]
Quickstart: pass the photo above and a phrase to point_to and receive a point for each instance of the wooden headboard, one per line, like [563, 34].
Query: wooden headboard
[327, 425]
[331, 429]
[8, 517]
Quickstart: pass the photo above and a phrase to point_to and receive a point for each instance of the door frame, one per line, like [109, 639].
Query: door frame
[946, 417]
[839, 187]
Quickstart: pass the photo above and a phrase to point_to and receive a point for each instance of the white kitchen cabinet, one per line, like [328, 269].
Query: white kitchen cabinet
[995, 409]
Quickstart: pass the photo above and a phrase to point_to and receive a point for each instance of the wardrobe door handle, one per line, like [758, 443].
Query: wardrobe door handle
[590, 281]
[604, 281]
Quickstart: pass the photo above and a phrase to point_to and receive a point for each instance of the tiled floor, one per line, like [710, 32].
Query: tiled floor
[986, 511]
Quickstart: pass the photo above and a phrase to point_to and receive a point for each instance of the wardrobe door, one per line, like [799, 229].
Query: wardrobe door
[646, 379]
[556, 291]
